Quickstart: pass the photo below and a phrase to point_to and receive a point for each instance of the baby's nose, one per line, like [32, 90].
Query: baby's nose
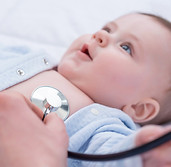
[101, 38]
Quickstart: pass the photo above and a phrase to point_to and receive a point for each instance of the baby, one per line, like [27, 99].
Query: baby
[113, 78]
[124, 66]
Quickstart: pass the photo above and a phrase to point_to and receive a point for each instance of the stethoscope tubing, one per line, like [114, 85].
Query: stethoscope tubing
[121, 155]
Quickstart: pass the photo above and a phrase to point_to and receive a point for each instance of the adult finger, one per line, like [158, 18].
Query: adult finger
[53, 122]
[56, 128]
[149, 133]
[34, 108]
[12, 99]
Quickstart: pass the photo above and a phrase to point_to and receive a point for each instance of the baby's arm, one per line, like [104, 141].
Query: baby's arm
[160, 156]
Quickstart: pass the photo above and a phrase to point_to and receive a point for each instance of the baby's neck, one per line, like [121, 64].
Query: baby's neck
[76, 98]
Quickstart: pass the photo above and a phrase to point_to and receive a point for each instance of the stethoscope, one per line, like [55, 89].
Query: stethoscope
[49, 99]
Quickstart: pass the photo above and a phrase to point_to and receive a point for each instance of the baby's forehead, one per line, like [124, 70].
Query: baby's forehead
[138, 17]
[128, 19]
[145, 17]
[139, 21]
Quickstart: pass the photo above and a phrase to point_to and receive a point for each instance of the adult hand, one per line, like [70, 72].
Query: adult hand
[27, 141]
[160, 156]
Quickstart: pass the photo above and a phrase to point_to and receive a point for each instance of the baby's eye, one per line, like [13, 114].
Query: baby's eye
[107, 29]
[127, 48]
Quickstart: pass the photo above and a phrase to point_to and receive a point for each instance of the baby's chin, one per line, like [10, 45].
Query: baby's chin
[59, 69]
[64, 70]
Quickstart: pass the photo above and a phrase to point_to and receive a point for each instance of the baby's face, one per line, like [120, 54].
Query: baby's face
[124, 62]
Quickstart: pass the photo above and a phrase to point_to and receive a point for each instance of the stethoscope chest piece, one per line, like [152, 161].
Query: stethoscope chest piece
[49, 99]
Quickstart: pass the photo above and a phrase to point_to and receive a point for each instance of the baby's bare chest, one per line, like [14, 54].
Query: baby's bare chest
[75, 97]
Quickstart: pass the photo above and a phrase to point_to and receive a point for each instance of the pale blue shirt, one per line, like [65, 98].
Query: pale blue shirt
[19, 63]
[97, 129]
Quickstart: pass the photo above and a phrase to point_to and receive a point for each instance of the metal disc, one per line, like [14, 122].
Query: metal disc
[49, 99]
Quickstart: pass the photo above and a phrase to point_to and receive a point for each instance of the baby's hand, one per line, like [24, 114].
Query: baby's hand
[160, 156]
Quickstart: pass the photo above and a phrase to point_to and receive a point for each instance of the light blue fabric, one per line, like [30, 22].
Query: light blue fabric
[14, 57]
[97, 129]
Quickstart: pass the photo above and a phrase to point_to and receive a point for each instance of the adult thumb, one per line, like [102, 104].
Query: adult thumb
[54, 123]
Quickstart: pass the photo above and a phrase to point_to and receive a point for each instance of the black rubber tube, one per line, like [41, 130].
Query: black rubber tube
[125, 154]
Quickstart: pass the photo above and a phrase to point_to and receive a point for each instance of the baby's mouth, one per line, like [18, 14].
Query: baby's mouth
[85, 50]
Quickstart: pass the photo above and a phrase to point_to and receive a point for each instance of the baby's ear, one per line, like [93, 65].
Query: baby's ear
[143, 111]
